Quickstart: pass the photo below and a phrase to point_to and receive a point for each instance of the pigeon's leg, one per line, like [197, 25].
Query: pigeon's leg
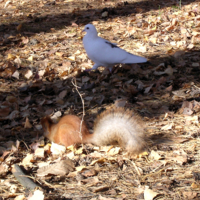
[110, 69]
[95, 66]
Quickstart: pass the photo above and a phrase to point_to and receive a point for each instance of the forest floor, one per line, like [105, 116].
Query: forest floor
[42, 63]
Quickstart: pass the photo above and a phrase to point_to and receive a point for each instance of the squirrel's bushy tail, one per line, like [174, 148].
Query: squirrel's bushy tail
[120, 126]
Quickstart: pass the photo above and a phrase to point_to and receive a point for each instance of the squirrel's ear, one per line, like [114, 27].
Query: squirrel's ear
[46, 123]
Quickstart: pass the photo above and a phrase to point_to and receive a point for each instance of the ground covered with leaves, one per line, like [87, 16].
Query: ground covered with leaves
[42, 63]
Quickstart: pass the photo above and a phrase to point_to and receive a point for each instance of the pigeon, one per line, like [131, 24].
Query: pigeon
[104, 53]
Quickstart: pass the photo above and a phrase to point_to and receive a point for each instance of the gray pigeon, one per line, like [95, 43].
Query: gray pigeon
[105, 53]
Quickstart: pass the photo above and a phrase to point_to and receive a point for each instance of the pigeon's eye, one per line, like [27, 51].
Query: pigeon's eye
[87, 28]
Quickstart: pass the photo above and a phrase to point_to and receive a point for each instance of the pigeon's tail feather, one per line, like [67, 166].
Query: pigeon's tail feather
[134, 59]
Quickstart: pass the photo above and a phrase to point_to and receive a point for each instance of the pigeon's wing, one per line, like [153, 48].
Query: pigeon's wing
[131, 58]
[108, 53]
[112, 45]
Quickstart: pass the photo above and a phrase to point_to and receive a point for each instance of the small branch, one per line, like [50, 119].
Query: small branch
[136, 168]
[76, 87]
[22, 178]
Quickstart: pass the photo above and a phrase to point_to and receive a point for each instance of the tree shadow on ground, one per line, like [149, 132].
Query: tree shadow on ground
[46, 90]
[57, 16]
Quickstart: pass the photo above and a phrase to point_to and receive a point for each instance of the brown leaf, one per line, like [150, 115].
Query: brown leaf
[4, 152]
[3, 169]
[85, 79]
[14, 114]
[167, 127]
[60, 54]
[120, 102]
[25, 40]
[195, 186]
[28, 160]
[100, 188]
[89, 172]
[34, 145]
[57, 149]
[63, 94]
[20, 197]
[11, 57]
[155, 155]
[190, 194]
[187, 111]
[36, 195]
[16, 74]
[106, 198]
[180, 157]
[60, 168]
[27, 123]
[39, 152]
[149, 194]
[28, 74]
[4, 112]
[19, 27]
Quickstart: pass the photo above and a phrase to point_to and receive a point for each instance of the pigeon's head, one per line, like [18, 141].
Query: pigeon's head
[90, 30]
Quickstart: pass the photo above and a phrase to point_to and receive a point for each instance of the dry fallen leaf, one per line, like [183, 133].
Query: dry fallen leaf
[63, 94]
[167, 127]
[28, 160]
[36, 195]
[120, 102]
[89, 172]
[60, 168]
[20, 197]
[28, 74]
[3, 169]
[16, 74]
[39, 152]
[114, 151]
[57, 149]
[149, 194]
[155, 155]
[27, 123]
[106, 198]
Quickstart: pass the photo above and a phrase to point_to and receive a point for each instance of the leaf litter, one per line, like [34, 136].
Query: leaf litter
[42, 52]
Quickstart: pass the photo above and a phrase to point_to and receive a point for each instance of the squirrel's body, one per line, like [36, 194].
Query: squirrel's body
[115, 126]
[67, 131]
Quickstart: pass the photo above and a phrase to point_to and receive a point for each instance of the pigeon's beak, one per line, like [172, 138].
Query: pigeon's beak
[83, 30]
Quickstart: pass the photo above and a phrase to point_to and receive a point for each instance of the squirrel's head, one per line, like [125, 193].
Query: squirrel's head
[46, 123]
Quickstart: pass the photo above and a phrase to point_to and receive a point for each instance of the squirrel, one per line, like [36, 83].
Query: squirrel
[115, 126]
